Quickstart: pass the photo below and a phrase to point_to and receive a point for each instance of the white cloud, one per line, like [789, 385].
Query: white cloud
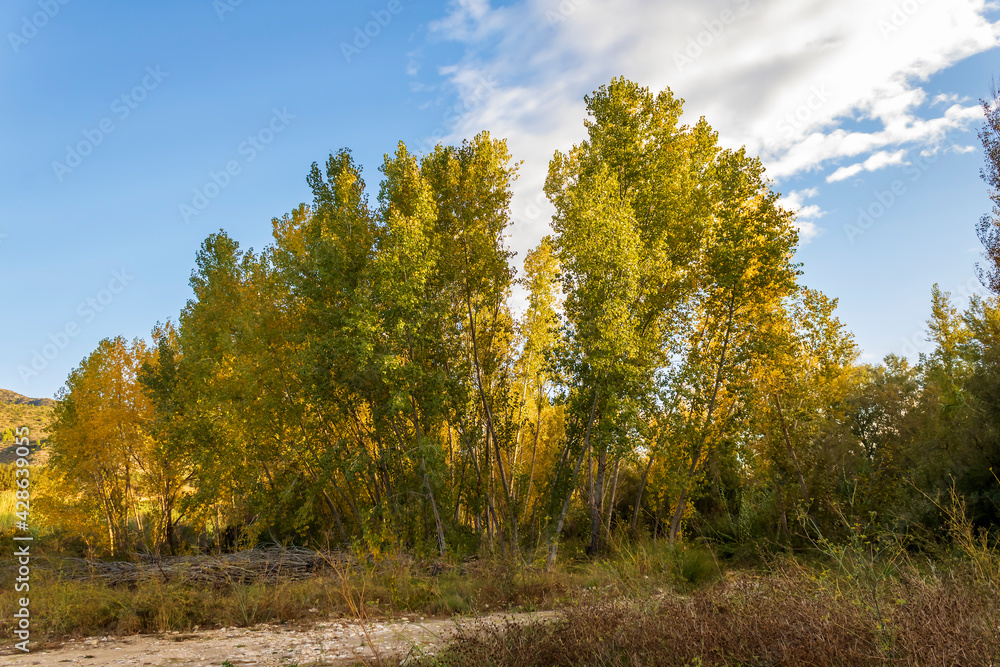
[790, 79]
[811, 211]
[805, 216]
[947, 98]
[845, 172]
[413, 62]
[874, 163]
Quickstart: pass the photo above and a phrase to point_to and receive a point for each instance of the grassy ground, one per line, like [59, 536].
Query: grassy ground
[787, 617]
[392, 587]
[645, 604]
[866, 601]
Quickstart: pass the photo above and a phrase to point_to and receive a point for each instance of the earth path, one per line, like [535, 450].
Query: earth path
[329, 642]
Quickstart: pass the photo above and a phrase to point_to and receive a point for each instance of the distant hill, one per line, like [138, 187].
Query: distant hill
[7, 396]
[16, 411]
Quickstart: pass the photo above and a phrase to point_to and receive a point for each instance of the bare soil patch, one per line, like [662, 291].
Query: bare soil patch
[328, 642]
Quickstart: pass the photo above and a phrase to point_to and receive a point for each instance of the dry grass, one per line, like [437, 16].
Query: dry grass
[66, 606]
[646, 605]
[783, 618]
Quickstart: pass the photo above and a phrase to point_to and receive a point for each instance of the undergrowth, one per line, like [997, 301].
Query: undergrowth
[867, 598]
[785, 617]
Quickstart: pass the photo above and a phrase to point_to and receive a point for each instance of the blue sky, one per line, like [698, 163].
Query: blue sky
[855, 106]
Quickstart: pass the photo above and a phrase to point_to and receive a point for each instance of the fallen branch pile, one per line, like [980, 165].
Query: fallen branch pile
[256, 565]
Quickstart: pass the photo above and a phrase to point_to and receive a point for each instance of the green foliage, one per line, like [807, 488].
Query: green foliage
[364, 382]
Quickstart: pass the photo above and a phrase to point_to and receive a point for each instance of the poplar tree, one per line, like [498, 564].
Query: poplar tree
[988, 228]
[745, 273]
[99, 443]
[630, 214]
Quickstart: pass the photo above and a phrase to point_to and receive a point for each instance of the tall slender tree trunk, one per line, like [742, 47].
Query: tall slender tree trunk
[638, 496]
[336, 517]
[675, 524]
[783, 515]
[597, 502]
[109, 517]
[442, 547]
[534, 451]
[451, 457]
[437, 517]
[517, 439]
[659, 516]
[554, 539]
[491, 429]
[791, 450]
[611, 503]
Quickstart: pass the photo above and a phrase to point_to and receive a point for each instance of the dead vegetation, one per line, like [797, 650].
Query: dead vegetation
[867, 600]
[250, 566]
[783, 618]
[76, 598]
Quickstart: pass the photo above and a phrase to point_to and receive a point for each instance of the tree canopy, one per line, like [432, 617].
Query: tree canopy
[368, 379]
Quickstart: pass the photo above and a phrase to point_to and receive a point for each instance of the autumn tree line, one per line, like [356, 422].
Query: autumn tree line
[364, 380]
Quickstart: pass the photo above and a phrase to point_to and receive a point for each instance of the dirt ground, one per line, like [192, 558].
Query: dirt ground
[331, 642]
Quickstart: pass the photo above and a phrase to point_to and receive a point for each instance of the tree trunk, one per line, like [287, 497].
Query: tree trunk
[534, 451]
[491, 430]
[638, 498]
[791, 451]
[437, 517]
[517, 439]
[336, 517]
[554, 540]
[659, 516]
[597, 502]
[675, 525]
[427, 483]
[611, 503]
